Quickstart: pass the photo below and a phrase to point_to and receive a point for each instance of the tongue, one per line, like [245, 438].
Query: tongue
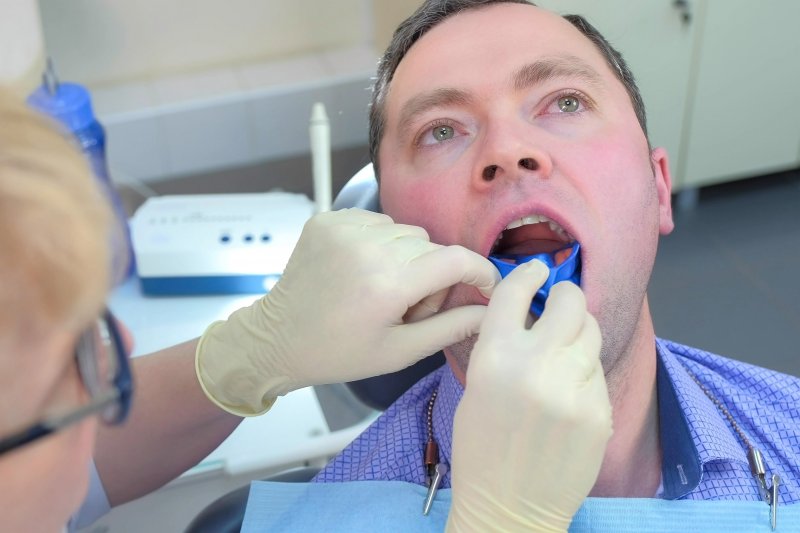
[530, 247]
[530, 239]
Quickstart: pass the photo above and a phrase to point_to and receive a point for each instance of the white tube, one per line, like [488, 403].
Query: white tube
[320, 134]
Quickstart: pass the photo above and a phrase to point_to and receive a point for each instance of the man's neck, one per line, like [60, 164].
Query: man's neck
[632, 464]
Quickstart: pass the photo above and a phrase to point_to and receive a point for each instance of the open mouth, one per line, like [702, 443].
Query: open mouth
[533, 234]
[538, 237]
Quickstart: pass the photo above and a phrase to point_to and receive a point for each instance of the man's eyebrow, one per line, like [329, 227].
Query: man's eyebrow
[421, 103]
[548, 69]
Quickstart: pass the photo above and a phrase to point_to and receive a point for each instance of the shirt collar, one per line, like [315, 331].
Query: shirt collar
[444, 411]
[693, 431]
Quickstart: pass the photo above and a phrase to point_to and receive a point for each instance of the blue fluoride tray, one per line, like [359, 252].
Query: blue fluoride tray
[569, 270]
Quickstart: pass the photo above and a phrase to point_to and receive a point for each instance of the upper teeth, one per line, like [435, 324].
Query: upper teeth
[535, 219]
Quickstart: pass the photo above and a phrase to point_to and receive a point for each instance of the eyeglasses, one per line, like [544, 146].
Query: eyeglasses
[102, 363]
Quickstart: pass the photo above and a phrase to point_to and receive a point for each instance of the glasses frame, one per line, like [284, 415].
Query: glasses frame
[113, 405]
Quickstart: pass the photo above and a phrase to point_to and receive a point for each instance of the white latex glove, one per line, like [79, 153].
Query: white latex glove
[531, 429]
[358, 298]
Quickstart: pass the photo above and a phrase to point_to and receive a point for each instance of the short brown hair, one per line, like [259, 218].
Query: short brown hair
[433, 12]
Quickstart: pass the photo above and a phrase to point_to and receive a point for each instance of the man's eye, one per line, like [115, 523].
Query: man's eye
[568, 104]
[443, 133]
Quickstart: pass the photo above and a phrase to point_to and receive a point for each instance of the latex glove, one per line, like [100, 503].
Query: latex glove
[531, 429]
[358, 298]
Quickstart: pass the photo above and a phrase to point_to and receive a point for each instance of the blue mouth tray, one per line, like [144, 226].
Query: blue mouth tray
[569, 270]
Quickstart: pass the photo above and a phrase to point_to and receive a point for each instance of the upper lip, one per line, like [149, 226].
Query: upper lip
[517, 212]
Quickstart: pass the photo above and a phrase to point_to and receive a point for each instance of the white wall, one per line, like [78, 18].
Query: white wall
[387, 15]
[21, 45]
[111, 41]
[187, 86]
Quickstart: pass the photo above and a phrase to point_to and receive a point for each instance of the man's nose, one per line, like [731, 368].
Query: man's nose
[510, 152]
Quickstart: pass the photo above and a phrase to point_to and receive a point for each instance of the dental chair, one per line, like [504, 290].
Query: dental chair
[225, 514]
[380, 392]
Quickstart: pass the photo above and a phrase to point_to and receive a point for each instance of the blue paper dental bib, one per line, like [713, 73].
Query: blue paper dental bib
[396, 506]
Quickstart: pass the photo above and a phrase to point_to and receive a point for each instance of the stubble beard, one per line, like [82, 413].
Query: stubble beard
[618, 317]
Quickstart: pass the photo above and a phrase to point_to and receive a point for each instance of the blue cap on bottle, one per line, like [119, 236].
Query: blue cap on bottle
[69, 103]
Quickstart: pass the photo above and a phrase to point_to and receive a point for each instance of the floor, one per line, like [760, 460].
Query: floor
[727, 279]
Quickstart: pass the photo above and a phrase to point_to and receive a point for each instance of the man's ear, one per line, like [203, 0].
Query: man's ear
[660, 163]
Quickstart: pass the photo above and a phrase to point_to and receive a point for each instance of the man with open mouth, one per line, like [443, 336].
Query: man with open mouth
[513, 131]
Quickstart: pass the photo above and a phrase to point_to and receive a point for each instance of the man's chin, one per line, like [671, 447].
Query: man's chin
[457, 357]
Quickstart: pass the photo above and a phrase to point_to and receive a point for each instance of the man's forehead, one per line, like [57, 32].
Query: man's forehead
[542, 36]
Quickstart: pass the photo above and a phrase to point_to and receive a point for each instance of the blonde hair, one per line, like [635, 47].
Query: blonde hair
[55, 228]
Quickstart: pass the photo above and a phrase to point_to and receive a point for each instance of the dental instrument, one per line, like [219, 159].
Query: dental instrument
[319, 131]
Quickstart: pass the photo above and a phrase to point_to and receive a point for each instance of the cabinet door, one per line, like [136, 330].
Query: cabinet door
[745, 116]
[656, 42]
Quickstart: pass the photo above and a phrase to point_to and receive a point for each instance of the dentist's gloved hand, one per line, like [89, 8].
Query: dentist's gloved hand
[532, 427]
[358, 298]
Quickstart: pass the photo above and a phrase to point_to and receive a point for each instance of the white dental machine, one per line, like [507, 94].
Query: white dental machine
[227, 243]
